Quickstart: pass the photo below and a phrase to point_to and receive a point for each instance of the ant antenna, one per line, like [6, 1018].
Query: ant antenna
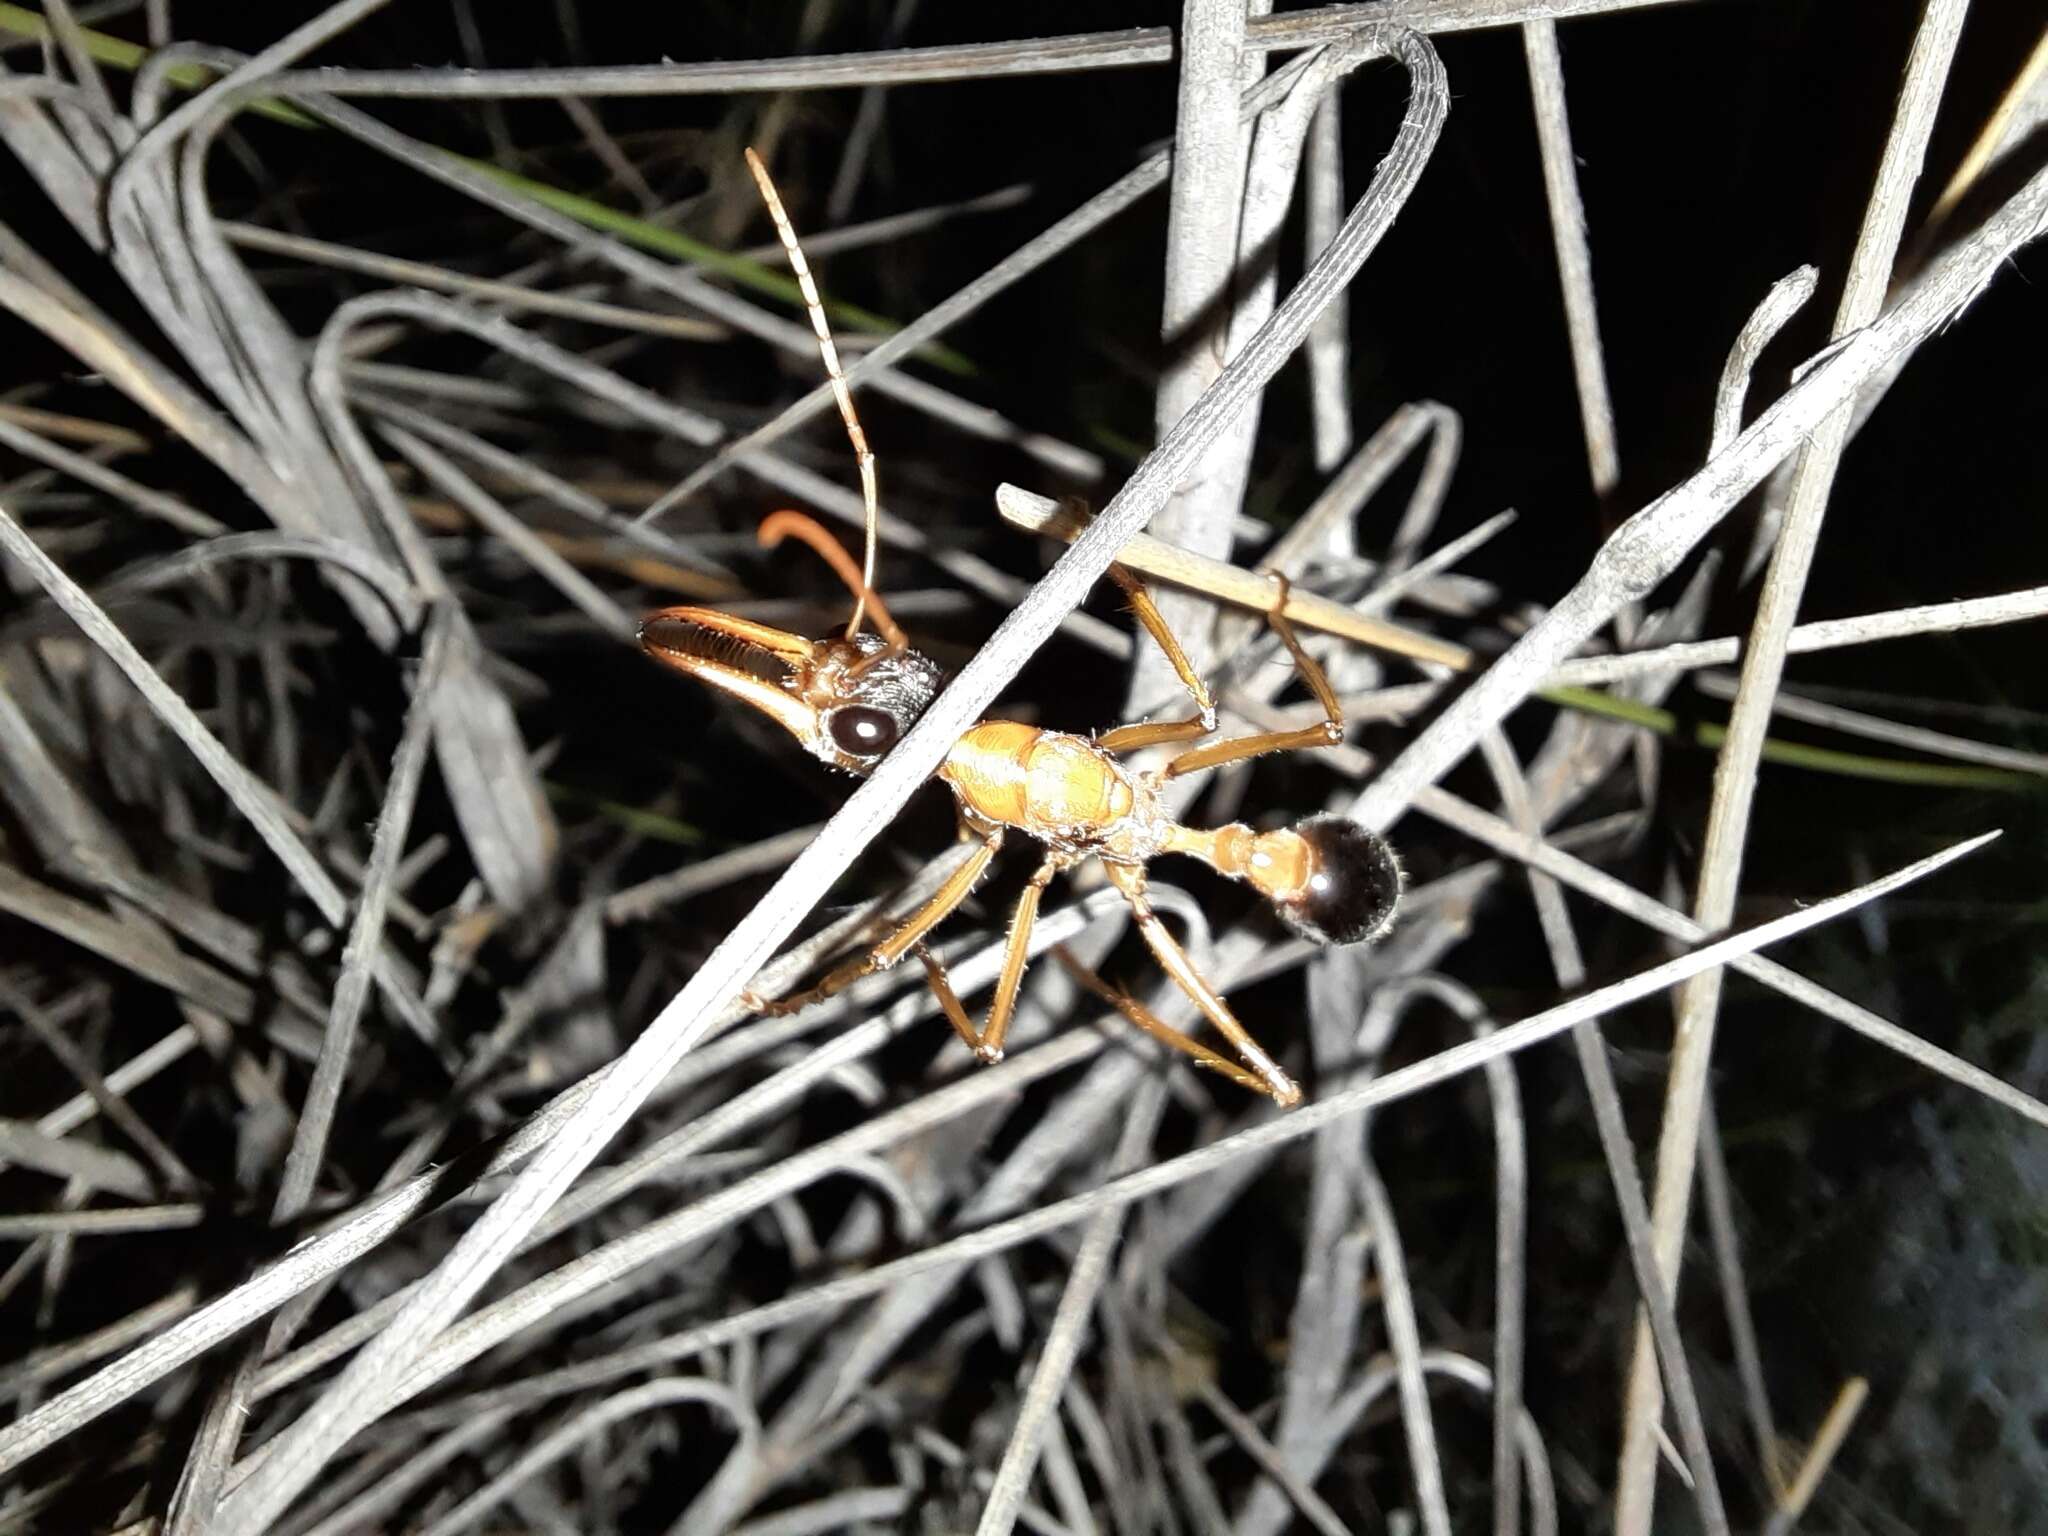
[777, 526]
[816, 309]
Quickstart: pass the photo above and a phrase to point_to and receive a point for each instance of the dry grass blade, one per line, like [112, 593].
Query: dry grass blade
[1106, 50]
[60, 1360]
[169, 1166]
[1652, 543]
[1574, 259]
[16, 436]
[1735, 1303]
[93, 1168]
[89, 926]
[138, 1218]
[1863, 295]
[1207, 199]
[364, 1509]
[661, 1157]
[1456, 813]
[1805, 1482]
[249, 795]
[606, 614]
[419, 274]
[344, 1242]
[935, 1109]
[873, 366]
[323, 1095]
[585, 1425]
[1246, 1433]
[1063, 1341]
[1826, 634]
[1856, 722]
[1405, 1340]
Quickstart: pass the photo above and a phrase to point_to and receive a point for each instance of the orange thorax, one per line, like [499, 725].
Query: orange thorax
[1043, 782]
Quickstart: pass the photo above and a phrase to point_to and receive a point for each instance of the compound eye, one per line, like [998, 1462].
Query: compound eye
[1353, 889]
[861, 730]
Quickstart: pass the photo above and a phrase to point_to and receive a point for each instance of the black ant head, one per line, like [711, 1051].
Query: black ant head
[847, 700]
[1342, 882]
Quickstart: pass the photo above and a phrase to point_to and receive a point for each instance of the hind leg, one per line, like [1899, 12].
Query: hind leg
[1130, 879]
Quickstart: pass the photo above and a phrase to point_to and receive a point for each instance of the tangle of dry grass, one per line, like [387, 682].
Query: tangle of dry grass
[389, 1146]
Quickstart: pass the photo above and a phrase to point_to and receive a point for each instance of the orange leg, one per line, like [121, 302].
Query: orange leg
[1218, 753]
[1130, 879]
[1328, 734]
[1157, 1027]
[909, 935]
[1151, 733]
[987, 1042]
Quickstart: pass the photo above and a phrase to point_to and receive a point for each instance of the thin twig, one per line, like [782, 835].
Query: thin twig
[1574, 258]
[1063, 1341]
[1834, 1429]
[1863, 295]
[485, 1329]
[1252, 590]
[1652, 543]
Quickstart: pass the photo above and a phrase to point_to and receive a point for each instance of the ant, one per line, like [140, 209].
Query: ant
[849, 698]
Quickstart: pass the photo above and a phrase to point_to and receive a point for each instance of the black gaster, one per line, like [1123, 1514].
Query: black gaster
[1356, 886]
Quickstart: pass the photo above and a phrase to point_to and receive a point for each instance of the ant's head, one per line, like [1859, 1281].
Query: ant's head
[847, 701]
[1331, 880]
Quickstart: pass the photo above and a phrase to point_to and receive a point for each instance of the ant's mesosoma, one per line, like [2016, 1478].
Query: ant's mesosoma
[848, 699]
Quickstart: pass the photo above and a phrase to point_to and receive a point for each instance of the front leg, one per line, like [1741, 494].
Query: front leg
[1129, 738]
[1329, 734]
[909, 935]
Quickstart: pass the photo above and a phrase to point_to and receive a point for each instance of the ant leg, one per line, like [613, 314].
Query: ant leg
[1150, 733]
[1328, 734]
[1130, 879]
[1157, 1027]
[943, 903]
[987, 1042]
[1129, 738]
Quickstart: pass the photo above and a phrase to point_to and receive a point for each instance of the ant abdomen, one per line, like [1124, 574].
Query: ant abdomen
[1353, 884]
